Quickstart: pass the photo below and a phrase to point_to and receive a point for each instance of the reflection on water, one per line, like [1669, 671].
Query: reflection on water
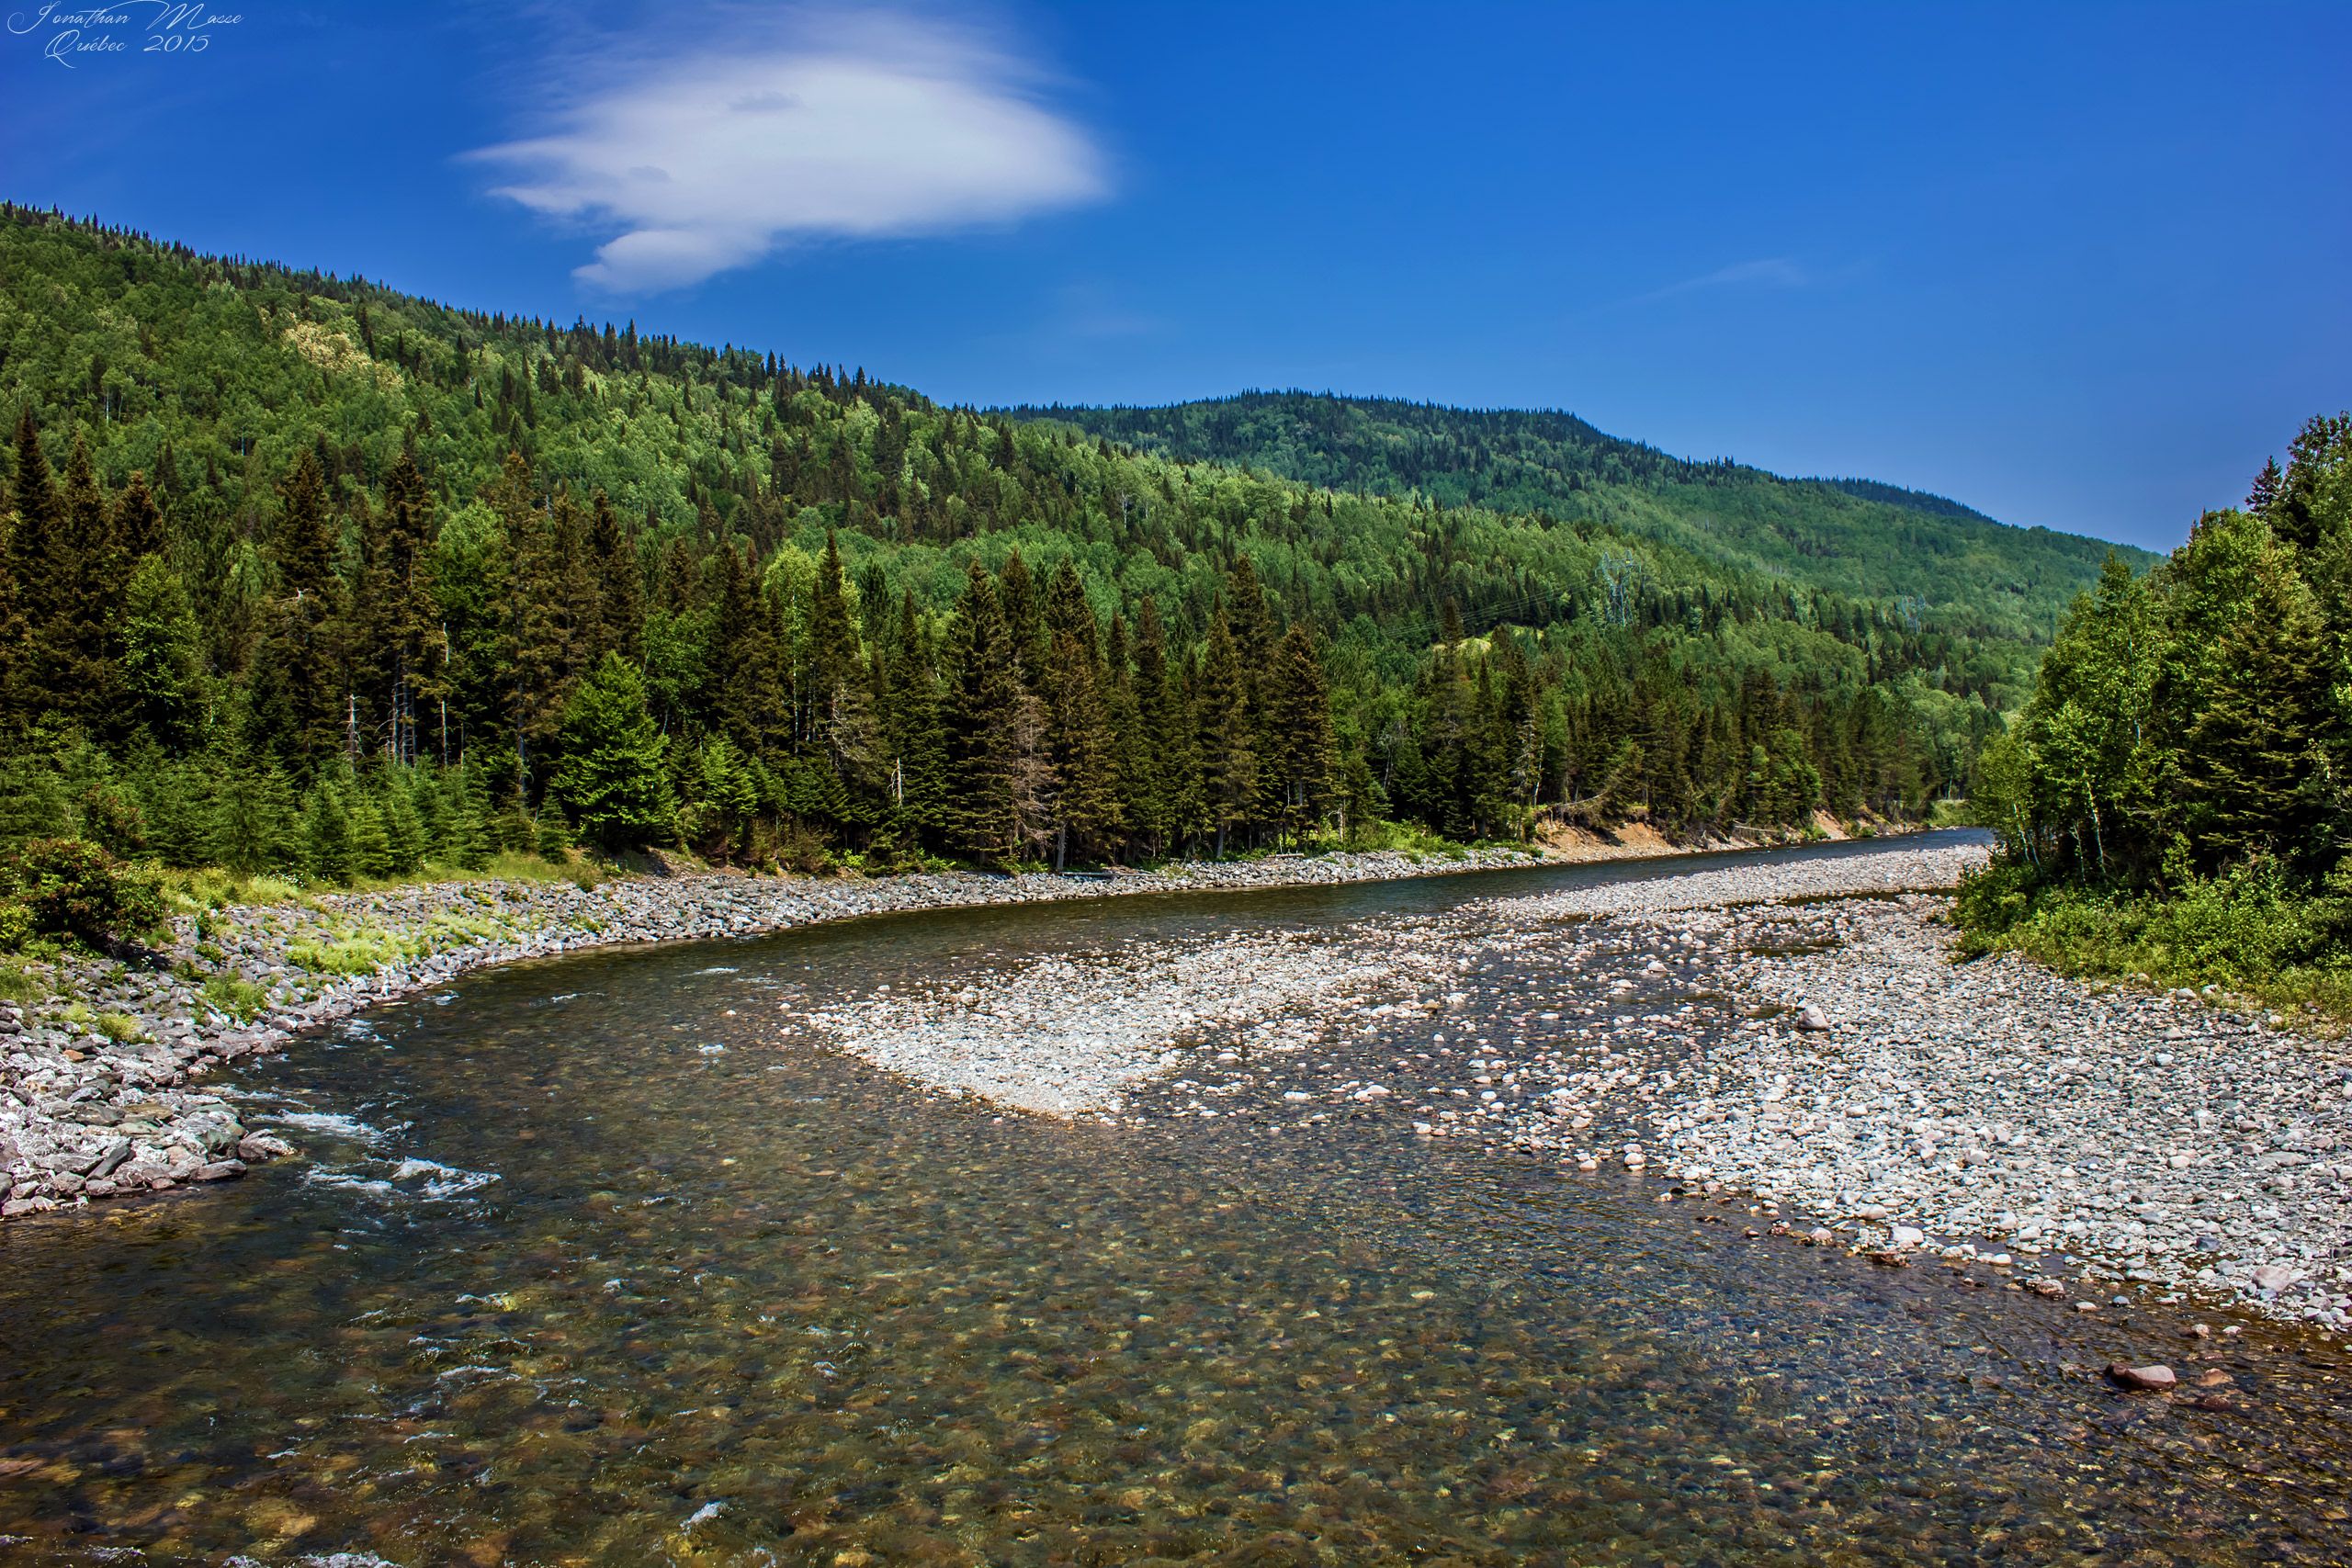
[591, 1264]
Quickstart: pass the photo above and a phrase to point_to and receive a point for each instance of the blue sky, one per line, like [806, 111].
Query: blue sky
[2076, 264]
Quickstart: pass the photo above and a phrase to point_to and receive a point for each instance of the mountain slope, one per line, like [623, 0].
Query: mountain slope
[1858, 537]
[298, 566]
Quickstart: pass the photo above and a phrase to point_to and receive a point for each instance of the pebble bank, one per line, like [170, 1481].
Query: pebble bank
[100, 1085]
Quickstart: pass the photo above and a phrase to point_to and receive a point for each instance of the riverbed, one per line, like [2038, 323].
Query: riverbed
[653, 1256]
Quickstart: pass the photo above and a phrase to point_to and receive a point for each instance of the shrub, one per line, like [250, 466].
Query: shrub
[2250, 929]
[73, 889]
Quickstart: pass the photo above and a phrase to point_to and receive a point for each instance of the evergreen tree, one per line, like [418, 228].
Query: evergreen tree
[1227, 745]
[986, 753]
[41, 569]
[298, 679]
[138, 521]
[1086, 814]
[1306, 761]
[620, 577]
[396, 628]
[2257, 771]
[913, 734]
[845, 725]
[101, 567]
[163, 672]
[1170, 738]
[611, 779]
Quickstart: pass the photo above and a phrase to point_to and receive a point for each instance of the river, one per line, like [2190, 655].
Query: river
[591, 1260]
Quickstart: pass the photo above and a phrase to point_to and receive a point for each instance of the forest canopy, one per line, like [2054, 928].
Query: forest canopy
[302, 573]
[2176, 796]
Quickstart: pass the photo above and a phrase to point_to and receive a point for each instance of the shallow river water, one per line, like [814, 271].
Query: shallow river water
[592, 1262]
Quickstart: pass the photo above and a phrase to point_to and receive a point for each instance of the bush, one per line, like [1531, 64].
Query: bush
[2252, 929]
[70, 888]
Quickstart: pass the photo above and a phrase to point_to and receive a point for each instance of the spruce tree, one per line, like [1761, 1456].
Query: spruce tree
[1133, 765]
[1306, 761]
[41, 569]
[298, 676]
[620, 576]
[982, 718]
[1024, 615]
[747, 661]
[2256, 770]
[1227, 745]
[101, 568]
[1169, 735]
[1086, 814]
[841, 697]
[396, 628]
[163, 671]
[916, 741]
[611, 779]
[138, 521]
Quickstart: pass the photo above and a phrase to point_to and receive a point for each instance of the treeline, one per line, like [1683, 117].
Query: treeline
[301, 572]
[1851, 536]
[410, 696]
[2198, 718]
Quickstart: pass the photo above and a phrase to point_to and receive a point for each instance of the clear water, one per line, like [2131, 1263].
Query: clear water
[561, 1281]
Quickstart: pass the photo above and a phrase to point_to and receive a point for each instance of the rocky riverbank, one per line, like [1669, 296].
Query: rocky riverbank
[1791, 1036]
[100, 1082]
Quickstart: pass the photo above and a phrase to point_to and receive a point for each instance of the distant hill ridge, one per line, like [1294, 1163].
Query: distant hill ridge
[1859, 536]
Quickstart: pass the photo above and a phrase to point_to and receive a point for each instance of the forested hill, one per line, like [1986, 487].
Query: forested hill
[1850, 537]
[297, 571]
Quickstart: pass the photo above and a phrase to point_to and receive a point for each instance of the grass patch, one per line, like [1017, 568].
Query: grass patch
[200, 891]
[1401, 838]
[206, 890]
[355, 951]
[2248, 933]
[118, 1027]
[20, 984]
[1952, 814]
[237, 997]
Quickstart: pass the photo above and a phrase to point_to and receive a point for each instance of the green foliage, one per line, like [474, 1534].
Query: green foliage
[2196, 719]
[2252, 929]
[383, 558]
[18, 983]
[1848, 536]
[238, 997]
[612, 780]
[73, 889]
[2173, 800]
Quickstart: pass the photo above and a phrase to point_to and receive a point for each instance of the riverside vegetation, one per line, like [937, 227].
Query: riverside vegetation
[2173, 800]
[306, 576]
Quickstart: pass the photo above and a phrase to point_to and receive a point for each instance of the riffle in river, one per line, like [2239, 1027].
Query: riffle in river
[618, 1258]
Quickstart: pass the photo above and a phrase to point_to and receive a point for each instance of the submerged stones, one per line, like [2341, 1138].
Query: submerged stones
[2142, 1380]
[93, 1083]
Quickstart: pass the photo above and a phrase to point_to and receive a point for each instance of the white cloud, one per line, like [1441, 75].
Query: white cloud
[865, 127]
[1769, 272]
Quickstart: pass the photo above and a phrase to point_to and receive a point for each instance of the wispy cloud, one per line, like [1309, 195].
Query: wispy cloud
[820, 124]
[1767, 272]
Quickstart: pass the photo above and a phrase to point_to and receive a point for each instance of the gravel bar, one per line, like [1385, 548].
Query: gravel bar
[97, 1083]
